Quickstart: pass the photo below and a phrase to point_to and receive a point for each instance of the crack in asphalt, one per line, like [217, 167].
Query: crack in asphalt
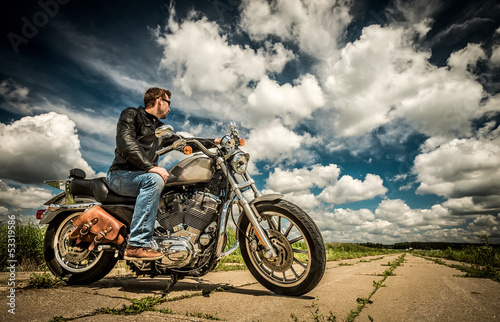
[161, 300]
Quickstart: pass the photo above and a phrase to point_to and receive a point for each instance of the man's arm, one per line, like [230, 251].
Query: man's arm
[127, 144]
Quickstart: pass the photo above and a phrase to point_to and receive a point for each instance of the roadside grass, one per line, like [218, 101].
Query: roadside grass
[340, 251]
[484, 260]
[28, 245]
[472, 270]
[233, 261]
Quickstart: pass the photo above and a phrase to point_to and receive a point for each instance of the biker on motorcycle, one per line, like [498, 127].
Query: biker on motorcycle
[135, 171]
[183, 232]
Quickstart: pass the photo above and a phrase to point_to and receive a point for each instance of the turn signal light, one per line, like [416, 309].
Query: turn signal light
[188, 150]
[242, 142]
[40, 213]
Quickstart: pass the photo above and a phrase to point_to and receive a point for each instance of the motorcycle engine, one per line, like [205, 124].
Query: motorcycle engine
[183, 218]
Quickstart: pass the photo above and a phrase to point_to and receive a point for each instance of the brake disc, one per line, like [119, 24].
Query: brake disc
[284, 250]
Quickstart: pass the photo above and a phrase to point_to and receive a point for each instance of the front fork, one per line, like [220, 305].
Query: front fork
[250, 211]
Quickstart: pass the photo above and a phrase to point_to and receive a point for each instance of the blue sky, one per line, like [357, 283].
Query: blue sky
[379, 118]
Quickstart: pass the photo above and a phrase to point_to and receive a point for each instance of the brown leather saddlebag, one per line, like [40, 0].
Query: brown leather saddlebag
[96, 226]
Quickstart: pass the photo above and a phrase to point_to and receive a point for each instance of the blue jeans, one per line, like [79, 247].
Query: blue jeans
[147, 187]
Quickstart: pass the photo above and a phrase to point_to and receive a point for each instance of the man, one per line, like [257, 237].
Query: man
[135, 170]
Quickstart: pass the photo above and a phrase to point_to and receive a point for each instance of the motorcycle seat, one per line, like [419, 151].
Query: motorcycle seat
[99, 190]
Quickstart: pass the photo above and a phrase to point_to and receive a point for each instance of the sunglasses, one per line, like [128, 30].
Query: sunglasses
[168, 101]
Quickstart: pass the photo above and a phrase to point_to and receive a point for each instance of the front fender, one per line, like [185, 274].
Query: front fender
[269, 197]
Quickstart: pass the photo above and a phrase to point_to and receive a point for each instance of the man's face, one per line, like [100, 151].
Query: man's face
[164, 106]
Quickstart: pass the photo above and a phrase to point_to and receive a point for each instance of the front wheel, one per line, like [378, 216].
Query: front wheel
[74, 262]
[301, 260]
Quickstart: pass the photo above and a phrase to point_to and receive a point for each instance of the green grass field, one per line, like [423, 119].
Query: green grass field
[476, 261]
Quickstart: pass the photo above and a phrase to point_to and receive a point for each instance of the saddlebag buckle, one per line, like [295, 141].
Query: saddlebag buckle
[86, 227]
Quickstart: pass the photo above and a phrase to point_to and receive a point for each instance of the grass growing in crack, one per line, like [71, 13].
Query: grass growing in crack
[320, 317]
[370, 260]
[315, 315]
[138, 306]
[376, 284]
[148, 304]
[379, 284]
[44, 280]
[207, 316]
[362, 300]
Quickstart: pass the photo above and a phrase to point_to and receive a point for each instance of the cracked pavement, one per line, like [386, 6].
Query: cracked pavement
[420, 290]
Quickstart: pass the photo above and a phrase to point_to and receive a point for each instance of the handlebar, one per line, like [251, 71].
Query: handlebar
[181, 144]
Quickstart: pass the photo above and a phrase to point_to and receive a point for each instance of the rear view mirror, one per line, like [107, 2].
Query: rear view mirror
[164, 131]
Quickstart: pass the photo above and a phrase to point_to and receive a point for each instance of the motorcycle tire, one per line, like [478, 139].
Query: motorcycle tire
[75, 263]
[301, 260]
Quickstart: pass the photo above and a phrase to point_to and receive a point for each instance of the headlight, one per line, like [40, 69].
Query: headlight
[240, 162]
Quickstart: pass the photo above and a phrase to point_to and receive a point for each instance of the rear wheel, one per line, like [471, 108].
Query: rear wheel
[301, 259]
[74, 262]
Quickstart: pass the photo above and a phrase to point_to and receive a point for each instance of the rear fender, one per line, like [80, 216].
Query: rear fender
[56, 210]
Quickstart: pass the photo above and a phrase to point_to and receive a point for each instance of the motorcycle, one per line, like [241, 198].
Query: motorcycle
[280, 244]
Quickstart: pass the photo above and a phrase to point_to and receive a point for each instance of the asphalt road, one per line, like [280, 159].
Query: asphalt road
[419, 290]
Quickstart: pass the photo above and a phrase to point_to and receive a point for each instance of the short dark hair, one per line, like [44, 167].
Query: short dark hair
[153, 93]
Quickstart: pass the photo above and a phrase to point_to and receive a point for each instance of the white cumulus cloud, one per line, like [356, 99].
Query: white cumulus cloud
[202, 60]
[348, 189]
[460, 168]
[302, 179]
[272, 141]
[24, 197]
[381, 78]
[316, 26]
[291, 103]
[42, 147]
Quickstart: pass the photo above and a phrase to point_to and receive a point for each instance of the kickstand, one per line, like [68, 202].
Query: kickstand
[174, 278]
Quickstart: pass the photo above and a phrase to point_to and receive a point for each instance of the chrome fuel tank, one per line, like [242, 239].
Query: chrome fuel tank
[195, 169]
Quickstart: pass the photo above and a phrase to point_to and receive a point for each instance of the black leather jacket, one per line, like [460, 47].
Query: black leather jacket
[136, 143]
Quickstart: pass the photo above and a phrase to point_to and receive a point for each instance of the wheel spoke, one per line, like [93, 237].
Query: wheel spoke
[300, 251]
[293, 241]
[299, 262]
[288, 230]
[294, 272]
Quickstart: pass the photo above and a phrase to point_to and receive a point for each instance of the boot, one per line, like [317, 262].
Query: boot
[141, 253]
